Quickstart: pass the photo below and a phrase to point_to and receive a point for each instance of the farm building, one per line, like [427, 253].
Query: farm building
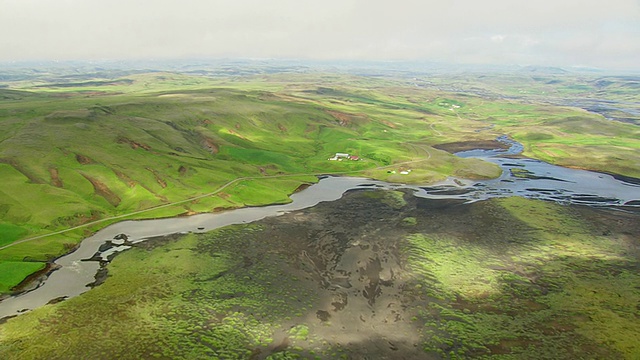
[340, 156]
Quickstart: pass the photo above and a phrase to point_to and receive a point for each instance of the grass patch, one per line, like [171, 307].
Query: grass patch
[553, 293]
[262, 157]
[10, 233]
[458, 269]
[13, 272]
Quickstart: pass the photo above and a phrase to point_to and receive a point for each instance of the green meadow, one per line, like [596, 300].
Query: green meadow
[76, 153]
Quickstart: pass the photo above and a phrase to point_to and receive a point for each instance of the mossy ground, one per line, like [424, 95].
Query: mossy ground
[377, 273]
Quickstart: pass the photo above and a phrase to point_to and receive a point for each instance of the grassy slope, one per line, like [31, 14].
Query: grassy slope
[560, 135]
[72, 155]
[551, 287]
[541, 282]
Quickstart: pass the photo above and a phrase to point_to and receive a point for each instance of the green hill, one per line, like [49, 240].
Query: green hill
[70, 156]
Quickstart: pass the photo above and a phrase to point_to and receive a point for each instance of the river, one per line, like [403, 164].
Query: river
[539, 180]
[520, 177]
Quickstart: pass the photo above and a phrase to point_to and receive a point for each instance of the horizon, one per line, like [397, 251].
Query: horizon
[179, 65]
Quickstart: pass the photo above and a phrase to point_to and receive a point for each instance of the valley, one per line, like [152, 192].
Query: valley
[378, 272]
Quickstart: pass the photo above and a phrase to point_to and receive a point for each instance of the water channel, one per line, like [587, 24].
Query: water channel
[520, 177]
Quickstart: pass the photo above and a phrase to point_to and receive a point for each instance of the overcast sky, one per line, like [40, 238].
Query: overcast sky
[595, 33]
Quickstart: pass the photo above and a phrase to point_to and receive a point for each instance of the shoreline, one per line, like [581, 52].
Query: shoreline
[34, 281]
[143, 230]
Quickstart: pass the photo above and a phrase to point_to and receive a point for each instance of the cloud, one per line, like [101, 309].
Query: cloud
[506, 31]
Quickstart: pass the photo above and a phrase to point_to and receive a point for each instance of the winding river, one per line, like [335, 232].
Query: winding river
[539, 180]
[520, 177]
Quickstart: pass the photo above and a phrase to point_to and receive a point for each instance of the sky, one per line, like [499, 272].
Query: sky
[590, 33]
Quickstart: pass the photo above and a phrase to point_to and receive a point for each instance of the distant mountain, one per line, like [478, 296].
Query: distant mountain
[551, 70]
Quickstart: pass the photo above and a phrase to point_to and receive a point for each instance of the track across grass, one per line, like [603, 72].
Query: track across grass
[221, 188]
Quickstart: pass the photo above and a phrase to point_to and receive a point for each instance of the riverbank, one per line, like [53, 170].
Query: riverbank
[522, 177]
[179, 134]
[423, 174]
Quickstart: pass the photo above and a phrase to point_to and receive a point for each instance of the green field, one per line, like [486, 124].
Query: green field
[76, 152]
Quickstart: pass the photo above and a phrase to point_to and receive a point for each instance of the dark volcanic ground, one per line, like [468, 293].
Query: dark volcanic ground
[351, 258]
[349, 251]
